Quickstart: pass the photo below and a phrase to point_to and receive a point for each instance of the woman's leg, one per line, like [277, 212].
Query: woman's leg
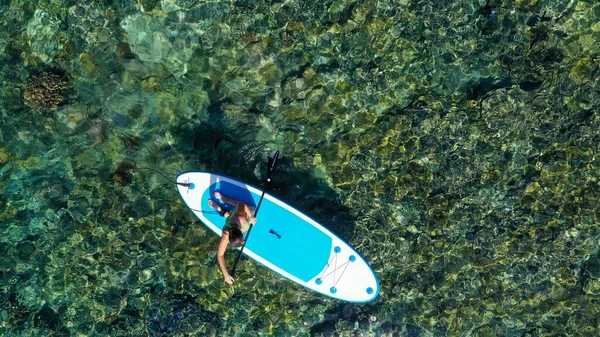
[230, 201]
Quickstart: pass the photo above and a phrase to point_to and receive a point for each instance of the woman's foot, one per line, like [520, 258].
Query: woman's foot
[217, 208]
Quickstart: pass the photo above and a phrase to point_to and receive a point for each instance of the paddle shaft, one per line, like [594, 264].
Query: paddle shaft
[270, 171]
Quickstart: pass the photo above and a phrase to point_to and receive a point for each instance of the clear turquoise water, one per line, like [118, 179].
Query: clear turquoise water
[453, 143]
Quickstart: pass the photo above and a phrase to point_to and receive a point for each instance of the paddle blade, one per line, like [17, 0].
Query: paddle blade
[274, 154]
[274, 157]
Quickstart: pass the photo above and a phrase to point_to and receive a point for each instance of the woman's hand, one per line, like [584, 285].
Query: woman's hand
[252, 220]
[229, 279]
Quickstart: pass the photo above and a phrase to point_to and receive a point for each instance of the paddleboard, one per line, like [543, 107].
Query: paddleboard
[285, 240]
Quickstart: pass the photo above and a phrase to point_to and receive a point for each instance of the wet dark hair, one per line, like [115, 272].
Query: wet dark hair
[236, 237]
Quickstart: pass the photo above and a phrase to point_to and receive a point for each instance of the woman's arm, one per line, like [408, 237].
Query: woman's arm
[221, 257]
[248, 211]
[244, 213]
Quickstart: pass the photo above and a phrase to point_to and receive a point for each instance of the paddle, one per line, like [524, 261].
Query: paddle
[271, 164]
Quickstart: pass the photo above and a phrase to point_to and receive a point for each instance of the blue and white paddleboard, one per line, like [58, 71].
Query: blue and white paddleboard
[285, 240]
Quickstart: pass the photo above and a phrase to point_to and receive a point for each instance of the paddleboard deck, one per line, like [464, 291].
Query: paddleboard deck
[285, 240]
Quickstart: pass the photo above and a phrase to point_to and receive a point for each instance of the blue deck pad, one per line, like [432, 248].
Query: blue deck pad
[303, 250]
[231, 191]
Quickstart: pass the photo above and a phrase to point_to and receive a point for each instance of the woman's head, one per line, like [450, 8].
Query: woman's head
[236, 237]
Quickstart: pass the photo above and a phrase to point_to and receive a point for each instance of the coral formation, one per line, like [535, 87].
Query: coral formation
[45, 91]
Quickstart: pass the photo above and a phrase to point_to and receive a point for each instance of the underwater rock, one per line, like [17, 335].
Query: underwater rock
[25, 250]
[348, 310]
[583, 70]
[124, 174]
[124, 51]
[589, 275]
[88, 66]
[530, 85]
[4, 156]
[3, 42]
[547, 56]
[476, 90]
[592, 287]
[42, 31]
[150, 43]
[121, 120]
[485, 331]
[182, 307]
[150, 5]
[45, 91]
[208, 11]
[145, 39]
[13, 312]
[526, 4]
[535, 19]
[269, 74]
[48, 318]
[150, 84]
[97, 131]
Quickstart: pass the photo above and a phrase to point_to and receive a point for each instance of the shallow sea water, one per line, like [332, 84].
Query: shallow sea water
[453, 143]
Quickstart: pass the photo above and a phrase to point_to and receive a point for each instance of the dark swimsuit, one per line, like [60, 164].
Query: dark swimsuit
[228, 225]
